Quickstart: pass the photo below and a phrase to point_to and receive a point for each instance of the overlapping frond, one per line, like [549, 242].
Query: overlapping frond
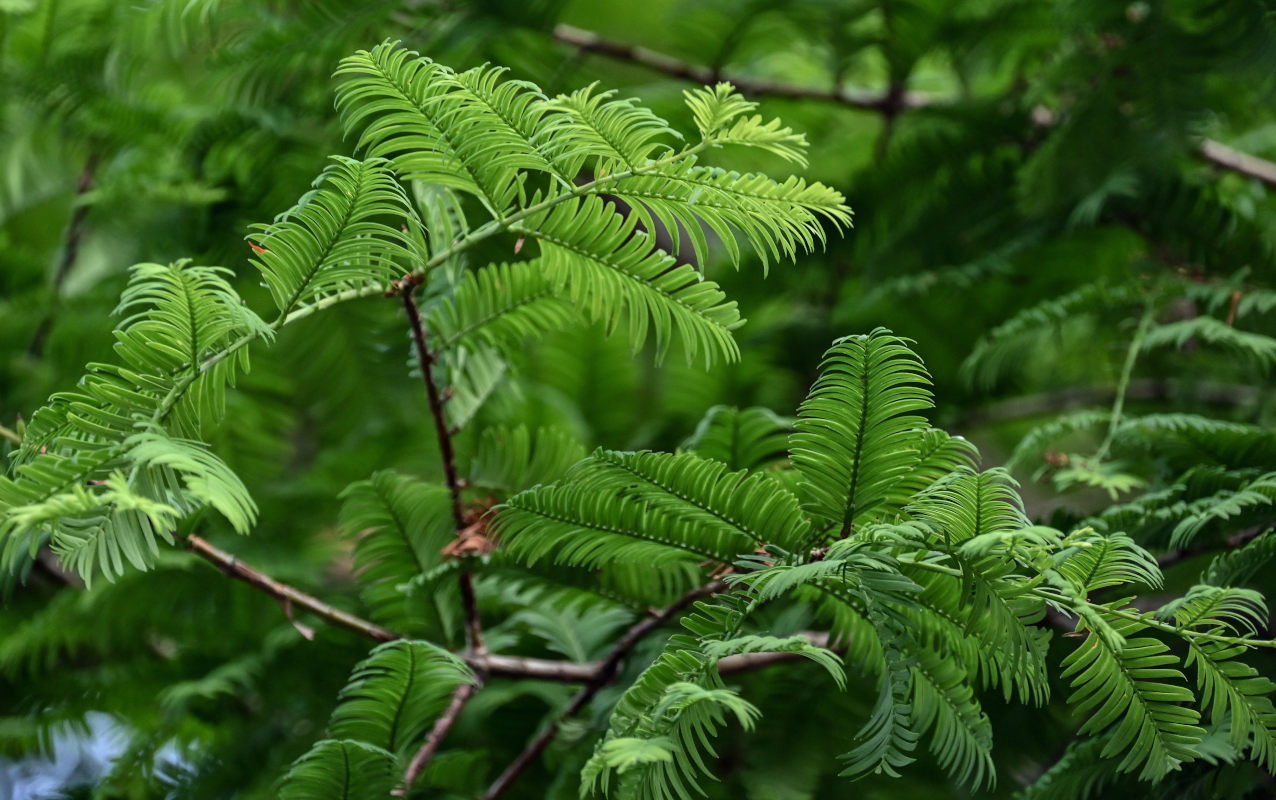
[1135, 691]
[962, 735]
[1090, 561]
[611, 272]
[778, 220]
[399, 526]
[664, 510]
[466, 132]
[341, 770]
[395, 693]
[741, 438]
[336, 237]
[517, 458]
[857, 432]
[503, 305]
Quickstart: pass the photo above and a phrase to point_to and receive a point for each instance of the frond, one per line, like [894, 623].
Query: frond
[469, 132]
[778, 220]
[748, 438]
[720, 114]
[857, 435]
[101, 523]
[334, 239]
[1251, 496]
[619, 135]
[1090, 561]
[661, 729]
[888, 739]
[1136, 692]
[1007, 343]
[754, 509]
[474, 373]
[341, 770]
[501, 305]
[962, 736]
[610, 270]
[395, 693]
[1261, 349]
[831, 662]
[1239, 566]
[516, 458]
[658, 509]
[1192, 440]
[1237, 696]
[965, 505]
[399, 527]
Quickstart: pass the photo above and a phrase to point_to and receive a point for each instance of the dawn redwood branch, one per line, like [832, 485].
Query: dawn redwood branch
[590, 42]
[282, 592]
[606, 671]
[469, 602]
[442, 725]
[70, 251]
[889, 103]
[435, 401]
[1231, 543]
[1232, 159]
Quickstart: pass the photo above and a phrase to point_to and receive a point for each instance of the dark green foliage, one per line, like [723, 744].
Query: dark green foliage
[597, 523]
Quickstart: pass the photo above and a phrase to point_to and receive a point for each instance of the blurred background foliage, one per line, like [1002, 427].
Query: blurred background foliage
[1052, 198]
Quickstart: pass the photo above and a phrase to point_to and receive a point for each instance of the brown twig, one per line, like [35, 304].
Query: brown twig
[282, 592]
[71, 239]
[447, 453]
[890, 103]
[482, 663]
[590, 42]
[606, 671]
[442, 725]
[436, 406]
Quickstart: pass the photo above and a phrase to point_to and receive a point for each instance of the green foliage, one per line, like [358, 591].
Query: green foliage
[1047, 213]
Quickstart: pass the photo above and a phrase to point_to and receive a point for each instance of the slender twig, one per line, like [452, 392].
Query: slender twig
[10, 434]
[590, 42]
[1127, 371]
[435, 400]
[447, 453]
[483, 663]
[237, 569]
[71, 240]
[442, 725]
[888, 103]
[607, 669]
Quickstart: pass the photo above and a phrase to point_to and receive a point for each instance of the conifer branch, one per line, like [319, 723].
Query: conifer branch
[447, 453]
[589, 42]
[889, 103]
[606, 671]
[71, 240]
[434, 738]
[282, 592]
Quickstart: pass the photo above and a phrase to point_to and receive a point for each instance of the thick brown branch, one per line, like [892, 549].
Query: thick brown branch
[606, 671]
[889, 103]
[442, 725]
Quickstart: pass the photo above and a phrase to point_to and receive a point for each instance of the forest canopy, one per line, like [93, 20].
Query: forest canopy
[561, 399]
